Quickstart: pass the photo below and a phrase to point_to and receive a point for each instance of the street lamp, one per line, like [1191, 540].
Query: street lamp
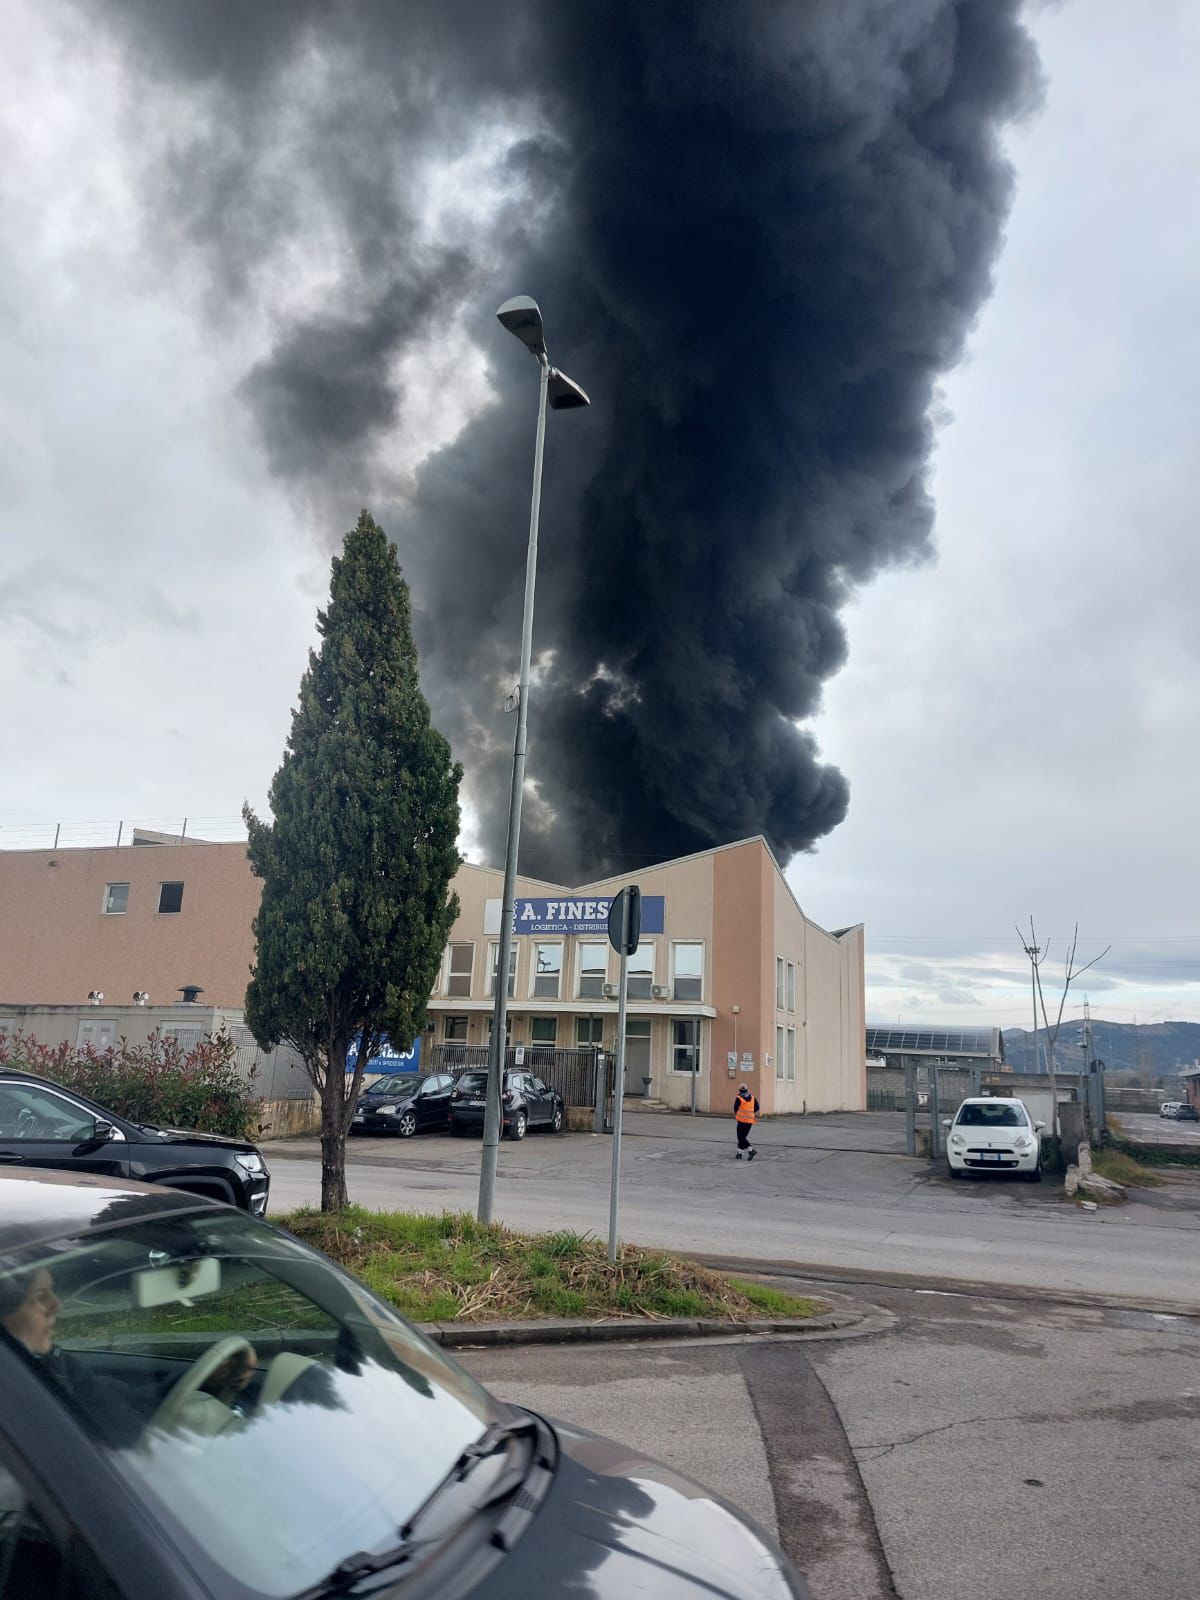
[522, 317]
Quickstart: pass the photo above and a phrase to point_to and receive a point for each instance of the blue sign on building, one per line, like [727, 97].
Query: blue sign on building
[385, 1058]
[581, 916]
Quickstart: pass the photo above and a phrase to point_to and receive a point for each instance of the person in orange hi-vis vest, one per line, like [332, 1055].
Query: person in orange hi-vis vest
[745, 1115]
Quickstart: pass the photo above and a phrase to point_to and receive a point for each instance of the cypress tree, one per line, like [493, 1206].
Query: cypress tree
[357, 864]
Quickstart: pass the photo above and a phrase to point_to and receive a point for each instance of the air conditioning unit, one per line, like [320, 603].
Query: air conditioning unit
[659, 991]
[610, 991]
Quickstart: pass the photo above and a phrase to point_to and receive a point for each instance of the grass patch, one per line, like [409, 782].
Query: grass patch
[1122, 1168]
[1155, 1155]
[452, 1268]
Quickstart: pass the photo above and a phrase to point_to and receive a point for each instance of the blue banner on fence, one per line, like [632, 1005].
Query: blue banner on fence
[385, 1058]
[563, 915]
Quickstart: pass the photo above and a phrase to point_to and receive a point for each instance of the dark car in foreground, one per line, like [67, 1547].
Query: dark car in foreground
[403, 1105]
[525, 1102]
[45, 1125]
[199, 1407]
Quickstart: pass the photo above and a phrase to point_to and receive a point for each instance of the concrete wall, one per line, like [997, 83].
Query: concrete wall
[57, 944]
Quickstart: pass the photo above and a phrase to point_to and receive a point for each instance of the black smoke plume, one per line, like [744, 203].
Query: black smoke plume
[758, 231]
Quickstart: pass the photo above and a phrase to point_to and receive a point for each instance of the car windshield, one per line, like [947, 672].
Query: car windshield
[473, 1083]
[276, 1416]
[997, 1115]
[381, 1086]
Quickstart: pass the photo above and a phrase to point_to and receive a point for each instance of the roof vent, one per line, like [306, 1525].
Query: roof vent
[141, 997]
[190, 991]
[94, 997]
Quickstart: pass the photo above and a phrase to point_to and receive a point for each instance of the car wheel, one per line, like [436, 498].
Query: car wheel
[1036, 1175]
[556, 1124]
[518, 1125]
[955, 1172]
[406, 1125]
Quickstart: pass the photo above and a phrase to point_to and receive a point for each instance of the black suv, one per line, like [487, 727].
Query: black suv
[391, 1105]
[45, 1125]
[525, 1102]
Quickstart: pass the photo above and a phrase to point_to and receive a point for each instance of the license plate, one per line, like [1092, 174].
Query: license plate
[992, 1155]
[475, 1102]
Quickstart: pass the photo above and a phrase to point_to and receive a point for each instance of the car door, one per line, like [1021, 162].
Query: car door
[541, 1104]
[437, 1101]
[44, 1127]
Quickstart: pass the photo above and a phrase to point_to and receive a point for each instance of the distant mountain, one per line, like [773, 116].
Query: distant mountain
[1161, 1049]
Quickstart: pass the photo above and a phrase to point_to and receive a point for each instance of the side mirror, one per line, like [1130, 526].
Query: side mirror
[1038, 1127]
[947, 1122]
[103, 1131]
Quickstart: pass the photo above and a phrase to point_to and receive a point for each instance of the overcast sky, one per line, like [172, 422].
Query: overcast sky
[1018, 720]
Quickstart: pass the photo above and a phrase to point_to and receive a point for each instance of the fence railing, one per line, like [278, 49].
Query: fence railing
[571, 1071]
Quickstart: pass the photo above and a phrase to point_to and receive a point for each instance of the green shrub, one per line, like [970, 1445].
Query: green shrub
[158, 1082]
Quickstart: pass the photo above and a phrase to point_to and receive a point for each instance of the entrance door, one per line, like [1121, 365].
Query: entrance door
[637, 1055]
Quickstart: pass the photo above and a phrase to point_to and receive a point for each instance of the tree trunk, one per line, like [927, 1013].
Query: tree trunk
[333, 1133]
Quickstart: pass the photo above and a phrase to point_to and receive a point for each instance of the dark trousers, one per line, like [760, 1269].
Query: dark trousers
[743, 1132]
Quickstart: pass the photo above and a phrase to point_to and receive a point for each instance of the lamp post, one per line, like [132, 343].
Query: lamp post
[523, 319]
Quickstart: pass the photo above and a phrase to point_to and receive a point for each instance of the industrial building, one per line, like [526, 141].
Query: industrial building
[731, 984]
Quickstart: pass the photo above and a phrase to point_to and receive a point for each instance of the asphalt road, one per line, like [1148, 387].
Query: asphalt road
[983, 1446]
[823, 1194]
[1151, 1129]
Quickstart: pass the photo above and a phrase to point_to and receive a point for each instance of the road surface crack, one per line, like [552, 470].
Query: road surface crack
[882, 1449]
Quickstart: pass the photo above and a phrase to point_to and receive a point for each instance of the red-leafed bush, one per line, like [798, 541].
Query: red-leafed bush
[159, 1082]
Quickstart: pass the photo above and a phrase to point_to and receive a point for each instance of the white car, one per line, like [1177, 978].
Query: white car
[990, 1134]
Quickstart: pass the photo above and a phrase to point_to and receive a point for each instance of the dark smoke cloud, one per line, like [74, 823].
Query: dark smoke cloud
[758, 232]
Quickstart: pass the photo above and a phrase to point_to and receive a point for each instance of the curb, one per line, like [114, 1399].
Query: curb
[469, 1335]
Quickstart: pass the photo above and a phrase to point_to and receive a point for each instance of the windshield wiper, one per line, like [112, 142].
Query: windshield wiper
[495, 1437]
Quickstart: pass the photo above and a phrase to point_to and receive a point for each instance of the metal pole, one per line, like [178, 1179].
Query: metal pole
[1033, 955]
[614, 1197]
[695, 1064]
[491, 1115]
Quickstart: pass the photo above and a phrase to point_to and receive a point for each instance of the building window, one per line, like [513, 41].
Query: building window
[685, 1045]
[779, 1048]
[593, 969]
[547, 970]
[460, 959]
[779, 983]
[791, 1055]
[116, 899]
[791, 986]
[589, 1030]
[512, 970]
[687, 978]
[543, 1030]
[491, 1022]
[170, 898]
[641, 973]
[454, 1030]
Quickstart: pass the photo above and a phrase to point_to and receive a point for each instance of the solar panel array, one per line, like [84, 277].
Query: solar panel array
[934, 1041]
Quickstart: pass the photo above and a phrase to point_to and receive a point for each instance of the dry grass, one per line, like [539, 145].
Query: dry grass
[451, 1268]
[1122, 1168]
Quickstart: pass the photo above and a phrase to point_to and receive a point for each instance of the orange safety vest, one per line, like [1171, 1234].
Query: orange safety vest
[744, 1111]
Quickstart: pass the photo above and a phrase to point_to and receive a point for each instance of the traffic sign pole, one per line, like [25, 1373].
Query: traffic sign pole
[614, 1197]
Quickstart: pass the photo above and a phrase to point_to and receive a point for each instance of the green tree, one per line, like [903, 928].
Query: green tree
[358, 862]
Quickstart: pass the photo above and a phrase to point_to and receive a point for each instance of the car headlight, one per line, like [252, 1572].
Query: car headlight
[388, 1111]
[957, 1140]
[252, 1164]
[1024, 1142]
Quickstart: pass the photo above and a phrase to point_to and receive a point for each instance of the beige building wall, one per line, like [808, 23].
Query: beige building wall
[57, 944]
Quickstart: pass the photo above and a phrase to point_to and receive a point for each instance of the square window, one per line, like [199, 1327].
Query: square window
[454, 1029]
[543, 1030]
[170, 898]
[547, 970]
[116, 899]
[791, 986]
[459, 964]
[791, 1055]
[779, 1050]
[779, 983]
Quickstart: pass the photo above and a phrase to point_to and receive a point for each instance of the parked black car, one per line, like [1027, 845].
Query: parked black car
[525, 1102]
[396, 1105]
[45, 1125]
[199, 1407]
